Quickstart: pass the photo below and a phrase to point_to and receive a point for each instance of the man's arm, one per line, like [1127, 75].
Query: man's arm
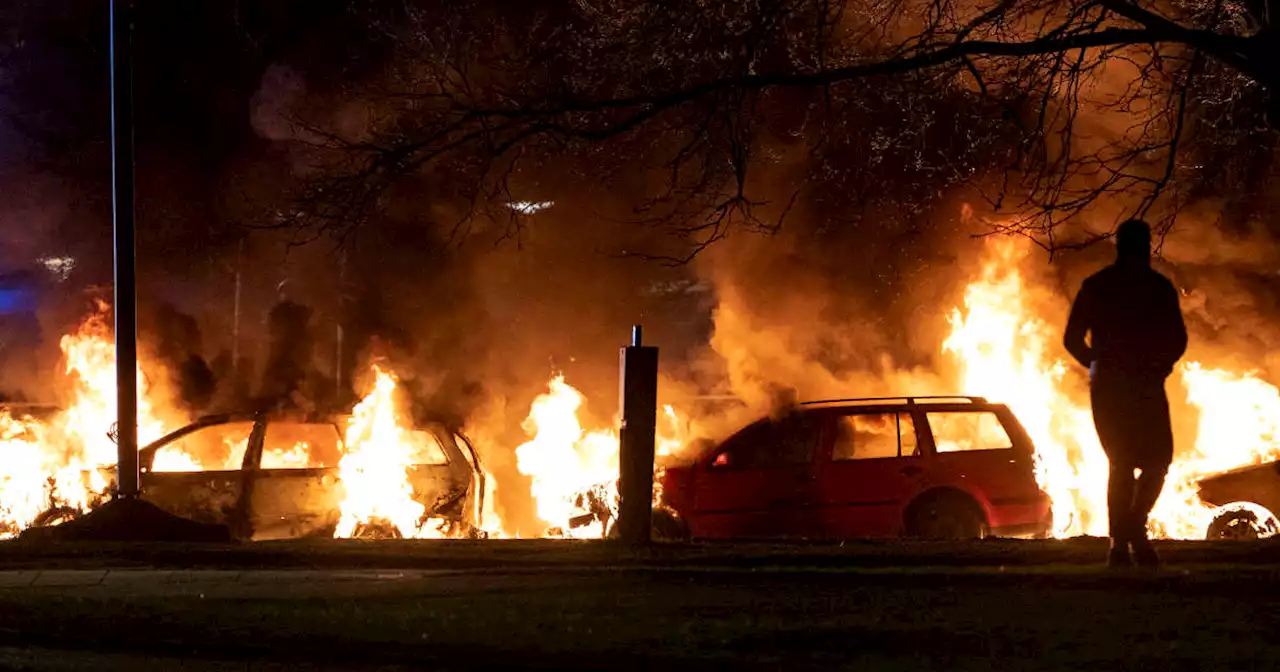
[1175, 328]
[1078, 324]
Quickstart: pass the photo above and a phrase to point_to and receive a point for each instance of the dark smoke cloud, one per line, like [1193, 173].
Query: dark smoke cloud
[175, 343]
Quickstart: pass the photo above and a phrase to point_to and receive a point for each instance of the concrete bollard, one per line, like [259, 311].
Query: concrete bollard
[639, 389]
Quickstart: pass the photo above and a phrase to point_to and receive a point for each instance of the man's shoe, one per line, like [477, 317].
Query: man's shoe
[1145, 554]
[1118, 557]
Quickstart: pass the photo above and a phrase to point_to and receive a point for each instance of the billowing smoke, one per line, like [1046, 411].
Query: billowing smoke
[176, 345]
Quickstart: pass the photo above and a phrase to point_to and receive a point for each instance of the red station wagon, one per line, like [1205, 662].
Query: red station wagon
[940, 467]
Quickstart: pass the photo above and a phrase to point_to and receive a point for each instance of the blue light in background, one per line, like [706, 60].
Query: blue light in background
[16, 300]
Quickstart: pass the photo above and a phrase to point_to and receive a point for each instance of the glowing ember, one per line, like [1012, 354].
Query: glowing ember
[375, 468]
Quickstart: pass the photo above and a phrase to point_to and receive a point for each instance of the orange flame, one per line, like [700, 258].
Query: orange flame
[563, 459]
[1006, 352]
[1003, 350]
[569, 464]
[374, 470]
[1239, 425]
[57, 463]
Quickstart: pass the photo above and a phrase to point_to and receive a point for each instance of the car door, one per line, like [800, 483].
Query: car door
[442, 474]
[197, 473]
[295, 491]
[759, 483]
[869, 469]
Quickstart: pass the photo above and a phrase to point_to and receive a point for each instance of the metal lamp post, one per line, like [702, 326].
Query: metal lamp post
[126, 306]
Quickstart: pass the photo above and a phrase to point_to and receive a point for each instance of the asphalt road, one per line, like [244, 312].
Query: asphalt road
[549, 605]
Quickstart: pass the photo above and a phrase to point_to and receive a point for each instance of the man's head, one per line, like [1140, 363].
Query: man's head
[1133, 242]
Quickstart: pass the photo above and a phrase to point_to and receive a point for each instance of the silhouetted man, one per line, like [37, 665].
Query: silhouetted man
[1136, 335]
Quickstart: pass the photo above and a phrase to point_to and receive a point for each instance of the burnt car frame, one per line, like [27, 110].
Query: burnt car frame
[260, 494]
[1246, 499]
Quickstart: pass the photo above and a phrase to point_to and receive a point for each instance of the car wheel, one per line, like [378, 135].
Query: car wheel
[946, 516]
[1244, 521]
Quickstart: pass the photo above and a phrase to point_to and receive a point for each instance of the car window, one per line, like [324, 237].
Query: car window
[212, 448]
[962, 431]
[868, 436]
[300, 445]
[427, 448]
[770, 443]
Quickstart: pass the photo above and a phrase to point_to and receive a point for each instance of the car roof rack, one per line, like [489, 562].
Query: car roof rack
[909, 400]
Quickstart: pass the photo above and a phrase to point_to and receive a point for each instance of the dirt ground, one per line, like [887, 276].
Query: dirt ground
[450, 605]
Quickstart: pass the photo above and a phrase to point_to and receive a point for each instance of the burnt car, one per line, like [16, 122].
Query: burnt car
[940, 467]
[1245, 499]
[270, 477]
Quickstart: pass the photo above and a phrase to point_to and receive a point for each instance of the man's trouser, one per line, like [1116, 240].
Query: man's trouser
[1131, 415]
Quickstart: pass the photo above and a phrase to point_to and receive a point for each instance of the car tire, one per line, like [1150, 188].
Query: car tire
[1241, 523]
[946, 516]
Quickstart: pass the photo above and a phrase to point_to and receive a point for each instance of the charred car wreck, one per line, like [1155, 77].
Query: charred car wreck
[277, 477]
[1245, 499]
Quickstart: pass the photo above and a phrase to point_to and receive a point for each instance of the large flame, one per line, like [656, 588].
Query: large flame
[1238, 425]
[380, 449]
[58, 463]
[565, 461]
[1007, 351]
[575, 471]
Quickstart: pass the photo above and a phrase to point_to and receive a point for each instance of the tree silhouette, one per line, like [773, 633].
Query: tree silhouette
[869, 98]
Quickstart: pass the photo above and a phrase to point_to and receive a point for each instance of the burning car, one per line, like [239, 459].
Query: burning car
[1245, 499]
[278, 477]
[949, 467]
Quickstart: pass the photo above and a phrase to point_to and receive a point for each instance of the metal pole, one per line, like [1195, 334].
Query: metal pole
[126, 307]
[235, 315]
[636, 440]
[342, 315]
